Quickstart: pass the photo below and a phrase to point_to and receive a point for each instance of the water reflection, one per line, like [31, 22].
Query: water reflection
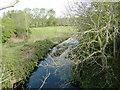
[54, 71]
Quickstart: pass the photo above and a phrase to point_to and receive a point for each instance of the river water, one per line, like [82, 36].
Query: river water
[55, 71]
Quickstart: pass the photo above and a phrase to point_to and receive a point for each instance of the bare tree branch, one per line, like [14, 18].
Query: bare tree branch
[10, 5]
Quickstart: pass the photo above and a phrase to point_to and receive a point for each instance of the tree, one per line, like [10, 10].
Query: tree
[35, 12]
[51, 17]
[8, 28]
[42, 17]
[19, 19]
[96, 51]
[64, 21]
[28, 18]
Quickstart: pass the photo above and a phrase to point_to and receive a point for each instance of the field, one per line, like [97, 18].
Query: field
[20, 58]
[52, 33]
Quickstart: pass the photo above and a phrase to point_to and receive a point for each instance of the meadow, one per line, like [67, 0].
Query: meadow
[54, 33]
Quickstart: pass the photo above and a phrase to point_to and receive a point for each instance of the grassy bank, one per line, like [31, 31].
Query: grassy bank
[19, 59]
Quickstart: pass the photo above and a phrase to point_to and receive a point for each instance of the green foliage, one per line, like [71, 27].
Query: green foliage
[41, 48]
[41, 17]
[8, 28]
[20, 23]
[14, 23]
[51, 21]
[64, 21]
[20, 20]
[51, 17]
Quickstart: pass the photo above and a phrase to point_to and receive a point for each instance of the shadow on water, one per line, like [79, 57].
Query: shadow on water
[54, 71]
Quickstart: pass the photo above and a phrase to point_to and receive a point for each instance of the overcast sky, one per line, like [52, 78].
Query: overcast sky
[57, 5]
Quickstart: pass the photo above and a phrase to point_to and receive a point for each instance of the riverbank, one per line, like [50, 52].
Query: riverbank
[19, 59]
[22, 60]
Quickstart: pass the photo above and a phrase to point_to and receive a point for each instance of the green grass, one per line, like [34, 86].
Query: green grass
[53, 33]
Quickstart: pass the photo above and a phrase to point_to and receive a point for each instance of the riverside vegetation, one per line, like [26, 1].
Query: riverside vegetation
[20, 58]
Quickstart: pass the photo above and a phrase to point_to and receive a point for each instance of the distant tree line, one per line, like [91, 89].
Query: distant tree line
[40, 17]
[17, 22]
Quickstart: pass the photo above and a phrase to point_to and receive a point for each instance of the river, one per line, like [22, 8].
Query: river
[55, 71]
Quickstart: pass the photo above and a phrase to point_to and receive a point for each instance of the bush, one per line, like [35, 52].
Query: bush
[8, 28]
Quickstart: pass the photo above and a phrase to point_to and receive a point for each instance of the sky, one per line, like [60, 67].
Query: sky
[57, 5]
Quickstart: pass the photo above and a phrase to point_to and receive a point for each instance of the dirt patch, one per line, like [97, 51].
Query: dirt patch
[17, 39]
[34, 40]
[28, 53]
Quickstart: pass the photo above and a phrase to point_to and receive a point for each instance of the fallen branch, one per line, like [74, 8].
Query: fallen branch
[43, 81]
